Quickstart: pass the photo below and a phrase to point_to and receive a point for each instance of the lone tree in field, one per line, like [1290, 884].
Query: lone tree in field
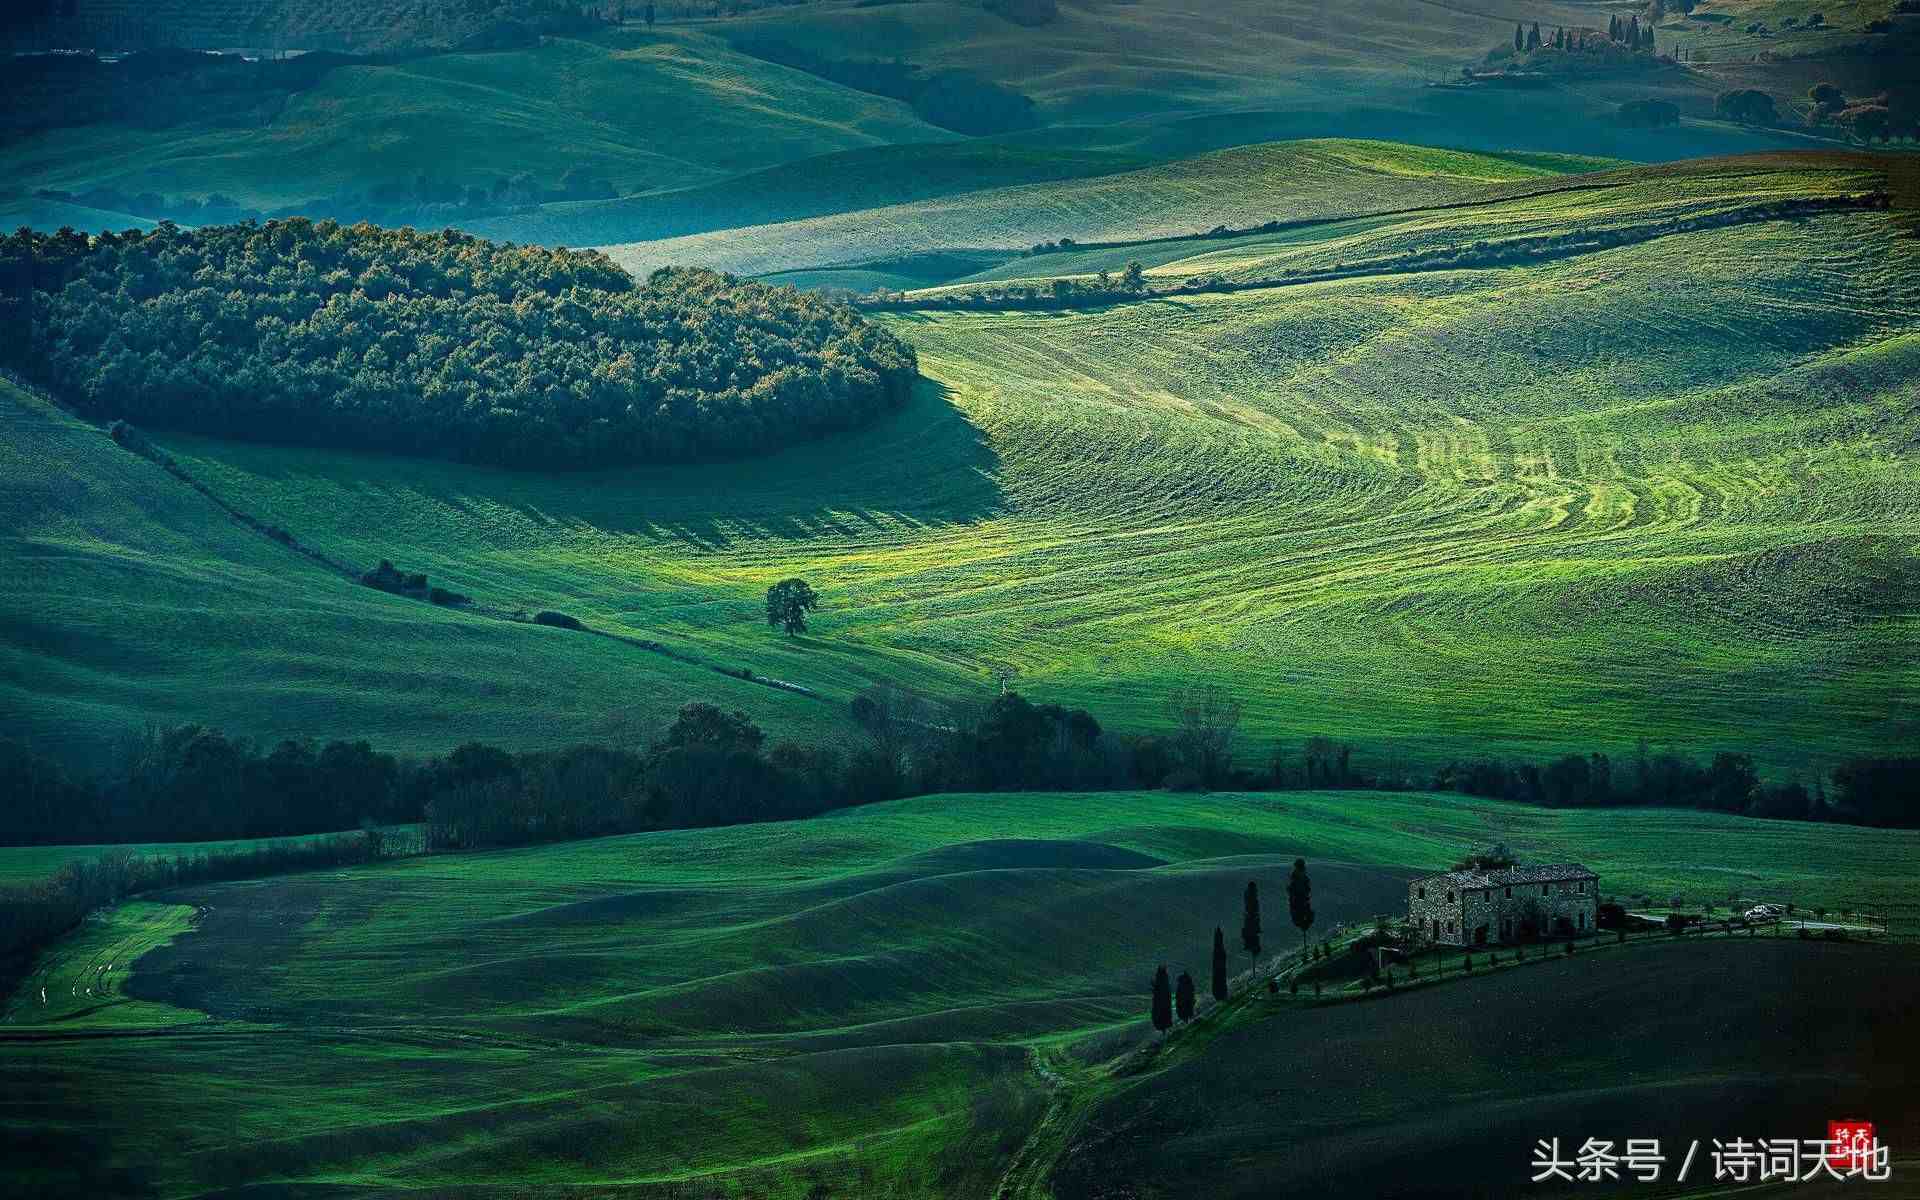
[1300, 899]
[1162, 1001]
[1219, 964]
[788, 603]
[1250, 922]
[1183, 997]
[1133, 279]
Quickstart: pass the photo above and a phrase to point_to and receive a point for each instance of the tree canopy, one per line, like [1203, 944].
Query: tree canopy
[437, 344]
[789, 602]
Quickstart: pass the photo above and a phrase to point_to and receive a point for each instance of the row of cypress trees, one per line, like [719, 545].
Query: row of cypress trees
[1173, 999]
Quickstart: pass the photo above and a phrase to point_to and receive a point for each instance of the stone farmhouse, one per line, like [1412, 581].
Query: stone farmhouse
[1481, 907]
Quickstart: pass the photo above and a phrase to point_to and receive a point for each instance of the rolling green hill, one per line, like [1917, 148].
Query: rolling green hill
[856, 1001]
[1347, 1099]
[1663, 489]
[132, 598]
[643, 110]
[1242, 186]
[685, 125]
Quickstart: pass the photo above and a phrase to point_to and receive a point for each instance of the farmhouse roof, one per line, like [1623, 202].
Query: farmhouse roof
[1506, 876]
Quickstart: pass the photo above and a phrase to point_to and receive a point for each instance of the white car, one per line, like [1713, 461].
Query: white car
[1764, 912]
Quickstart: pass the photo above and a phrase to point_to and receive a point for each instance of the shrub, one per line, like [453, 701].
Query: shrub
[1749, 106]
[1569, 949]
[388, 578]
[440, 595]
[1648, 114]
[558, 620]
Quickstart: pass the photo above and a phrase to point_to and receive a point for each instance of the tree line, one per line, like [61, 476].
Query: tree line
[711, 766]
[1178, 1000]
[436, 344]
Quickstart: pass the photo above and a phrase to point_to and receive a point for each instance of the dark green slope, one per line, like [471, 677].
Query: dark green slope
[132, 598]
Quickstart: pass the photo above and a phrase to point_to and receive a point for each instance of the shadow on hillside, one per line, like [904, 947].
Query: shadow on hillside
[927, 465]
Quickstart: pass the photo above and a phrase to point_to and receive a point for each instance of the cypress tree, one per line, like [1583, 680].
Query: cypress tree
[1300, 899]
[1613, 28]
[1533, 37]
[1633, 32]
[1219, 964]
[1162, 1001]
[1519, 38]
[1250, 922]
[1183, 997]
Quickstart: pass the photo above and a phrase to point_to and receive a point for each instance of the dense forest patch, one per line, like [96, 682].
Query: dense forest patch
[436, 344]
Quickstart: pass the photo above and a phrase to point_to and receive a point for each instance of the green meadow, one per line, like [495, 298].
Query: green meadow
[1452, 420]
[25, 864]
[131, 599]
[856, 1002]
[478, 117]
[1242, 186]
[1559, 505]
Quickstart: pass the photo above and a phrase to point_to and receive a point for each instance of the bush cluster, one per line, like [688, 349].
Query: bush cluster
[437, 344]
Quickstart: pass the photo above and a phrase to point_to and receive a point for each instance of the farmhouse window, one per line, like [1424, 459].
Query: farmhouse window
[1583, 886]
[1423, 893]
[1509, 893]
[1449, 896]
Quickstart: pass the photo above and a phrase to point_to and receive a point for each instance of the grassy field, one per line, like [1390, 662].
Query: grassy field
[131, 598]
[853, 1001]
[1743, 1035]
[1549, 507]
[1531, 206]
[474, 118]
[23, 864]
[1238, 187]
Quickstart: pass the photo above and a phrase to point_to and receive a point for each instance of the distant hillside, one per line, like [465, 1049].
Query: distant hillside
[273, 24]
[1243, 186]
[517, 122]
[866, 178]
[532, 138]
